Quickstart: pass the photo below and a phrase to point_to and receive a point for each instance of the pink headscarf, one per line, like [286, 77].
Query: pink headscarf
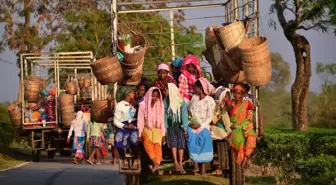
[152, 117]
[163, 66]
[206, 85]
[191, 59]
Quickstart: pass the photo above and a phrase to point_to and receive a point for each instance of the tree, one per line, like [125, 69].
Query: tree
[85, 30]
[308, 15]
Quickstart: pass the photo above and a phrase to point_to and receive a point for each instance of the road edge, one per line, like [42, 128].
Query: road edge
[17, 166]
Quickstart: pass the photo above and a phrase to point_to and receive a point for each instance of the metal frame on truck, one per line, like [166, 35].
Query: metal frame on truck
[55, 68]
[233, 10]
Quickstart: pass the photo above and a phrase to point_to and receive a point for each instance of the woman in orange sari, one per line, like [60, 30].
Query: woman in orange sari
[242, 135]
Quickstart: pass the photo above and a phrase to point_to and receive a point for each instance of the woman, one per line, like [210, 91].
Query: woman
[94, 131]
[176, 66]
[125, 120]
[201, 110]
[78, 126]
[176, 124]
[104, 149]
[141, 90]
[163, 77]
[151, 125]
[243, 135]
[221, 125]
[191, 71]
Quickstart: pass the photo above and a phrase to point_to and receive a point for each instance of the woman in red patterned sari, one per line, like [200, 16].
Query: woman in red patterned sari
[164, 77]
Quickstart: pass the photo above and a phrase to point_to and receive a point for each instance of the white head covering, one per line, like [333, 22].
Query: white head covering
[222, 95]
[175, 100]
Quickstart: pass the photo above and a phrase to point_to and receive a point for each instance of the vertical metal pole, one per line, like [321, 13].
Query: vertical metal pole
[227, 13]
[22, 87]
[232, 18]
[114, 17]
[256, 30]
[172, 34]
[75, 97]
[236, 10]
[56, 86]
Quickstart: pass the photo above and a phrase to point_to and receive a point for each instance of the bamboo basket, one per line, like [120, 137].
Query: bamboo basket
[67, 103]
[254, 50]
[15, 115]
[67, 118]
[210, 38]
[32, 90]
[134, 65]
[258, 73]
[107, 70]
[87, 82]
[132, 76]
[101, 111]
[43, 84]
[70, 88]
[231, 35]
[130, 58]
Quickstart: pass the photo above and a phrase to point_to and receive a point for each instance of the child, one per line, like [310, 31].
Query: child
[94, 132]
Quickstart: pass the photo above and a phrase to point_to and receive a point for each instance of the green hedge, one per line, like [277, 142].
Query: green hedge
[300, 152]
[7, 133]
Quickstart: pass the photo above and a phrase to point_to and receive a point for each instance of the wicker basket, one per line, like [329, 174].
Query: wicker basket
[107, 70]
[32, 90]
[87, 82]
[67, 118]
[132, 76]
[231, 35]
[15, 117]
[101, 111]
[216, 67]
[254, 50]
[70, 88]
[258, 74]
[134, 65]
[67, 103]
[229, 75]
[131, 58]
[210, 38]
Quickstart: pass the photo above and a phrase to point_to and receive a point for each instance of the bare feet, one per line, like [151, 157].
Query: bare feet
[135, 165]
[155, 168]
[125, 165]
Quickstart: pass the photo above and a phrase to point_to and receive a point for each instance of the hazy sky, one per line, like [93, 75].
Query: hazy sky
[323, 48]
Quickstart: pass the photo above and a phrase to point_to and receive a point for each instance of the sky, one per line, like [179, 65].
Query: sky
[323, 48]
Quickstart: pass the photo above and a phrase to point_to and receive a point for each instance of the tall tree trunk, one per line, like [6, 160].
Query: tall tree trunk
[300, 88]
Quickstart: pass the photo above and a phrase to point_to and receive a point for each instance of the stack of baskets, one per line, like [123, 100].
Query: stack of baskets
[256, 60]
[32, 89]
[15, 114]
[133, 62]
[67, 109]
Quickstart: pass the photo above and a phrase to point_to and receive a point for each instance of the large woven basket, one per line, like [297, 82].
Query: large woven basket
[254, 50]
[81, 82]
[130, 58]
[210, 38]
[107, 70]
[101, 111]
[16, 117]
[32, 90]
[70, 88]
[258, 73]
[67, 118]
[134, 65]
[132, 76]
[67, 103]
[231, 35]
[229, 75]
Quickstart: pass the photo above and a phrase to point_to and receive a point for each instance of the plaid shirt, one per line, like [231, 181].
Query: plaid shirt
[186, 90]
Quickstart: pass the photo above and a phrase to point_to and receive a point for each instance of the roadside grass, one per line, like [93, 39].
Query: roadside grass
[13, 155]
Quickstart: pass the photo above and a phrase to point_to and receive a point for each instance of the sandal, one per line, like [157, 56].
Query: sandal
[177, 167]
[90, 162]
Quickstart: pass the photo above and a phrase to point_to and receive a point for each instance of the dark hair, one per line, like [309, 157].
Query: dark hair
[247, 88]
[242, 85]
[157, 91]
[144, 84]
[199, 84]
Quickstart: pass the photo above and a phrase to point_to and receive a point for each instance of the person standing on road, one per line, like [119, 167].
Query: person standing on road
[94, 131]
[78, 126]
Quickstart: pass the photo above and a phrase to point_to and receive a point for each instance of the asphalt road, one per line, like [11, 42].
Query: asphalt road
[62, 171]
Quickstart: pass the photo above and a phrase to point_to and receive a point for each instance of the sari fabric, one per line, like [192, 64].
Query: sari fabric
[243, 136]
[78, 145]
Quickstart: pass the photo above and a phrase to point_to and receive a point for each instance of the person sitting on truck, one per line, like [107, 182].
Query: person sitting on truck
[243, 136]
[176, 66]
[163, 77]
[176, 124]
[94, 130]
[79, 126]
[221, 125]
[151, 126]
[125, 120]
[201, 110]
[191, 71]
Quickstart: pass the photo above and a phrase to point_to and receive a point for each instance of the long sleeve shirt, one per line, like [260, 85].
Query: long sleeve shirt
[203, 109]
[123, 111]
[169, 117]
[79, 128]
[95, 129]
